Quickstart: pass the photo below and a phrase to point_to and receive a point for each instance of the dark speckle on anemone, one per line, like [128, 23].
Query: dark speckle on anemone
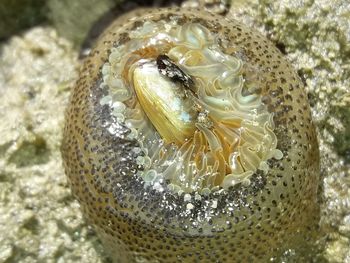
[188, 138]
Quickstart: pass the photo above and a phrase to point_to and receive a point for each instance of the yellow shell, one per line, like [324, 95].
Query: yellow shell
[164, 103]
[212, 158]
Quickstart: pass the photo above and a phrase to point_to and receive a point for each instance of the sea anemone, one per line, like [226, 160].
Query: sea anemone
[188, 138]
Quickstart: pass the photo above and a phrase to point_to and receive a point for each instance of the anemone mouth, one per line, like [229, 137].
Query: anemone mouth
[214, 132]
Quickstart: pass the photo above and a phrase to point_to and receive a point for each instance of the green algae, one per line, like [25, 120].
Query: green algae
[20, 14]
[31, 153]
[73, 19]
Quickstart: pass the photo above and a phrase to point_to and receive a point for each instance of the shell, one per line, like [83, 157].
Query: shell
[165, 104]
[210, 158]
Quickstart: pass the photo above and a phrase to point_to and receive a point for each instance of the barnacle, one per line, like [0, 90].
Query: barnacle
[188, 138]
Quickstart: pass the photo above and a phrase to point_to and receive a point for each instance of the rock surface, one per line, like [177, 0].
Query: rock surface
[39, 219]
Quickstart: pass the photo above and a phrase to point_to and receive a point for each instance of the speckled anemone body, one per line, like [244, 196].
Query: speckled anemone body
[218, 134]
[213, 159]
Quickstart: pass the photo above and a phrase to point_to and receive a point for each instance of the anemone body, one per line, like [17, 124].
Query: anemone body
[210, 156]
